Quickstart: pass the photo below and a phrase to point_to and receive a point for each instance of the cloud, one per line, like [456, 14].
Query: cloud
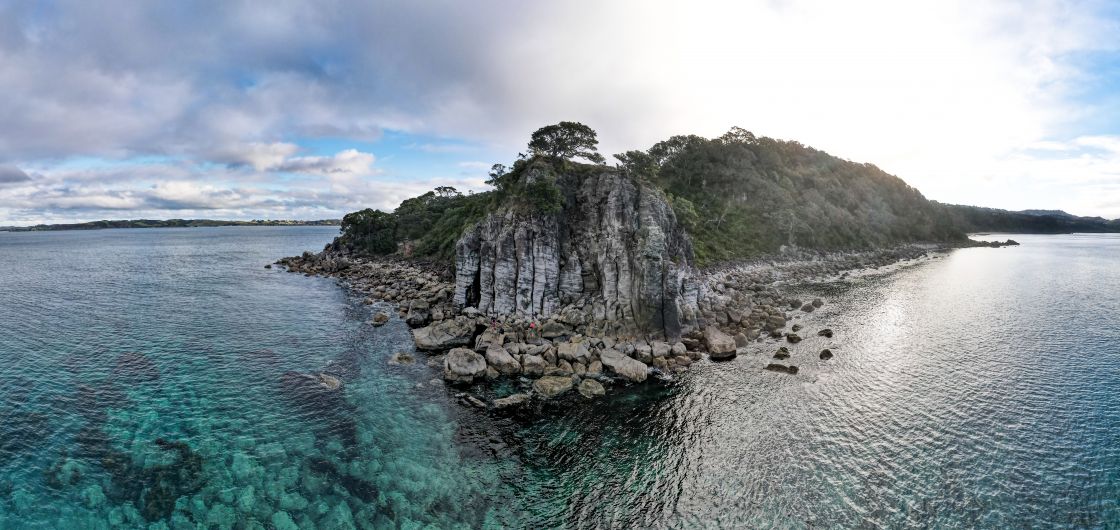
[350, 161]
[950, 95]
[12, 175]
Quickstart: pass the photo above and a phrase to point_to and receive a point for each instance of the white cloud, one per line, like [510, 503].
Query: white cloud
[348, 162]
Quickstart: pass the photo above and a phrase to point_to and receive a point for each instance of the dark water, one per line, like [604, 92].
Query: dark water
[142, 386]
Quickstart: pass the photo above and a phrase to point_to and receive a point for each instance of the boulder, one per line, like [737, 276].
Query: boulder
[793, 338]
[491, 337]
[625, 367]
[498, 358]
[590, 388]
[774, 367]
[551, 386]
[533, 364]
[808, 308]
[443, 335]
[573, 351]
[401, 358]
[553, 329]
[660, 349]
[741, 340]
[379, 319]
[826, 354]
[795, 328]
[782, 353]
[595, 368]
[515, 400]
[462, 365]
[679, 349]
[419, 313]
[826, 332]
[817, 302]
[720, 345]
[644, 353]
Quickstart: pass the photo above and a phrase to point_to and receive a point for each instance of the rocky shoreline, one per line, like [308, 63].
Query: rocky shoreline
[566, 356]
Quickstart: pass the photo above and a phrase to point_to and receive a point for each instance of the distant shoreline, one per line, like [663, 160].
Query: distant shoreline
[169, 223]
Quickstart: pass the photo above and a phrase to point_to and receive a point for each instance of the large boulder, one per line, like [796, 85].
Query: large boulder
[590, 388]
[500, 359]
[462, 365]
[573, 351]
[444, 335]
[533, 364]
[625, 367]
[515, 400]
[720, 345]
[551, 386]
[419, 313]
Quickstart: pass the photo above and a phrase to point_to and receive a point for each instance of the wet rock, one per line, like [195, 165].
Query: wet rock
[595, 368]
[643, 353]
[720, 345]
[401, 358]
[590, 388]
[826, 354]
[625, 367]
[515, 400]
[462, 365]
[679, 349]
[795, 328]
[782, 353]
[808, 308]
[533, 365]
[773, 367]
[379, 319]
[793, 338]
[475, 402]
[444, 335]
[826, 332]
[551, 386]
[500, 359]
[817, 302]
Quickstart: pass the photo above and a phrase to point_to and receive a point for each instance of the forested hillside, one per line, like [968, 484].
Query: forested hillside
[741, 196]
[738, 196]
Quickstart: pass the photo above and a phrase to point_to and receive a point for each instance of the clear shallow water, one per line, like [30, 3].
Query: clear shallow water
[981, 389]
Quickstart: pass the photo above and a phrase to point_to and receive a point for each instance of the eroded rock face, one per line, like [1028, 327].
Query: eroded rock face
[615, 252]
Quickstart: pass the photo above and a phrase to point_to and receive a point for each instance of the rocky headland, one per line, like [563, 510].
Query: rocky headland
[575, 279]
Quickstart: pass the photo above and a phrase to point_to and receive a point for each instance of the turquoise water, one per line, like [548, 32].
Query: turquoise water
[146, 382]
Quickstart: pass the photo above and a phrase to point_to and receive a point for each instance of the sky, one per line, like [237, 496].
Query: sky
[239, 109]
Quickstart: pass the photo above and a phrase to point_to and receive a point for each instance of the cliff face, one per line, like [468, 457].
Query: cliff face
[612, 260]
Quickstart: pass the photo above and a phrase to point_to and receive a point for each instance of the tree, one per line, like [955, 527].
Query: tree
[567, 139]
[370, 231]
[638, 163]
[446, 192]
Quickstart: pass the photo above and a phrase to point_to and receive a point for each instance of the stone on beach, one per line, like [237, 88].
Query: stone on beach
[590, 388]
[500, 359]
[551, 386]
[774, 367]
[626, 367]
[443, 335]
[720, 345]
[462, 365]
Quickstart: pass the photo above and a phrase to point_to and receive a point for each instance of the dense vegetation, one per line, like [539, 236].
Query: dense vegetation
[738, 196]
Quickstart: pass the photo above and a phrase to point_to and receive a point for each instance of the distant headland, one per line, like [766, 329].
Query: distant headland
[167, 223]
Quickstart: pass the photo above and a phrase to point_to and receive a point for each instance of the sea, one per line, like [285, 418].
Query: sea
[146, 382]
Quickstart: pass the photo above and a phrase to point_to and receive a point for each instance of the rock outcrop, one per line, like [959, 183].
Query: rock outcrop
[613, 260]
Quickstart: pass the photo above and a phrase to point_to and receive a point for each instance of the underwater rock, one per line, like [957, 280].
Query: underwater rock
[401, 358]
[514, 400]
[379, 319]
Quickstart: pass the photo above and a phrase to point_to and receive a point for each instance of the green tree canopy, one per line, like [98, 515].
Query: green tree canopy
[567, 139]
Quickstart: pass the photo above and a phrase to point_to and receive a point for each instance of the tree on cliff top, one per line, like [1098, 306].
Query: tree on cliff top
[567, 139]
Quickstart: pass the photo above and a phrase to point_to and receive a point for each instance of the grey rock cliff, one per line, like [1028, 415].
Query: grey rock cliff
[613, 259]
